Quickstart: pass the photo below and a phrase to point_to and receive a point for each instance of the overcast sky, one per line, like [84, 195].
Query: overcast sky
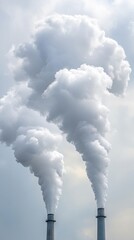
[22, 210]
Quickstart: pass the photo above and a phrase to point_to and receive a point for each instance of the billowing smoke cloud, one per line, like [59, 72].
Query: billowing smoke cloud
[63, 41]
[33, 144]
[36, 150]
[74, 103]
[70, 67]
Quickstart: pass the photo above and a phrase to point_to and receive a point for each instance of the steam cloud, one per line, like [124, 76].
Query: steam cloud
[74, 103]
[68, 68]
[33, 144]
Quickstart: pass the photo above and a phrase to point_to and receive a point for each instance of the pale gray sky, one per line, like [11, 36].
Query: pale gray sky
[22, 210]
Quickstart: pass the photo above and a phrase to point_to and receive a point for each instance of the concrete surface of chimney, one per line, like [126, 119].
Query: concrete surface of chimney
[101, 224]
[50, 227]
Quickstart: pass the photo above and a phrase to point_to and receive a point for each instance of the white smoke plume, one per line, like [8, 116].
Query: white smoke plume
[74, 103]
[70, 66]
[33, 144]
[62, 41]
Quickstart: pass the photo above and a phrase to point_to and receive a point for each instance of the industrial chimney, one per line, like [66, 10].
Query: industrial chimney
[101, 224]
[50, 227]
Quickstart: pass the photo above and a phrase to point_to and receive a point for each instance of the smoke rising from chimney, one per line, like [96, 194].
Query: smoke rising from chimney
[74, 102]
[33, 144]
[68, 68]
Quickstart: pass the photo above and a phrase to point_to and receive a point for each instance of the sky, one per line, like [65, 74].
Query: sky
[22, 209]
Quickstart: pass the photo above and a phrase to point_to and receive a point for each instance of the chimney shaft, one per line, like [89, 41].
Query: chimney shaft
[50, 226]
[101, 224]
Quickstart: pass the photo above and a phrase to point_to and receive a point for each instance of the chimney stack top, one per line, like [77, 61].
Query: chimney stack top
[50, 218]
[101, 213]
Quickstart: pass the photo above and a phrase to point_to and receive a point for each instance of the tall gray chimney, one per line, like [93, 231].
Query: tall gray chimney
[101, 224]
[50, 227]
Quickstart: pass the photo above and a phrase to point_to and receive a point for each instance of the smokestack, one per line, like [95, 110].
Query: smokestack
[101, 224]
[50, 227]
